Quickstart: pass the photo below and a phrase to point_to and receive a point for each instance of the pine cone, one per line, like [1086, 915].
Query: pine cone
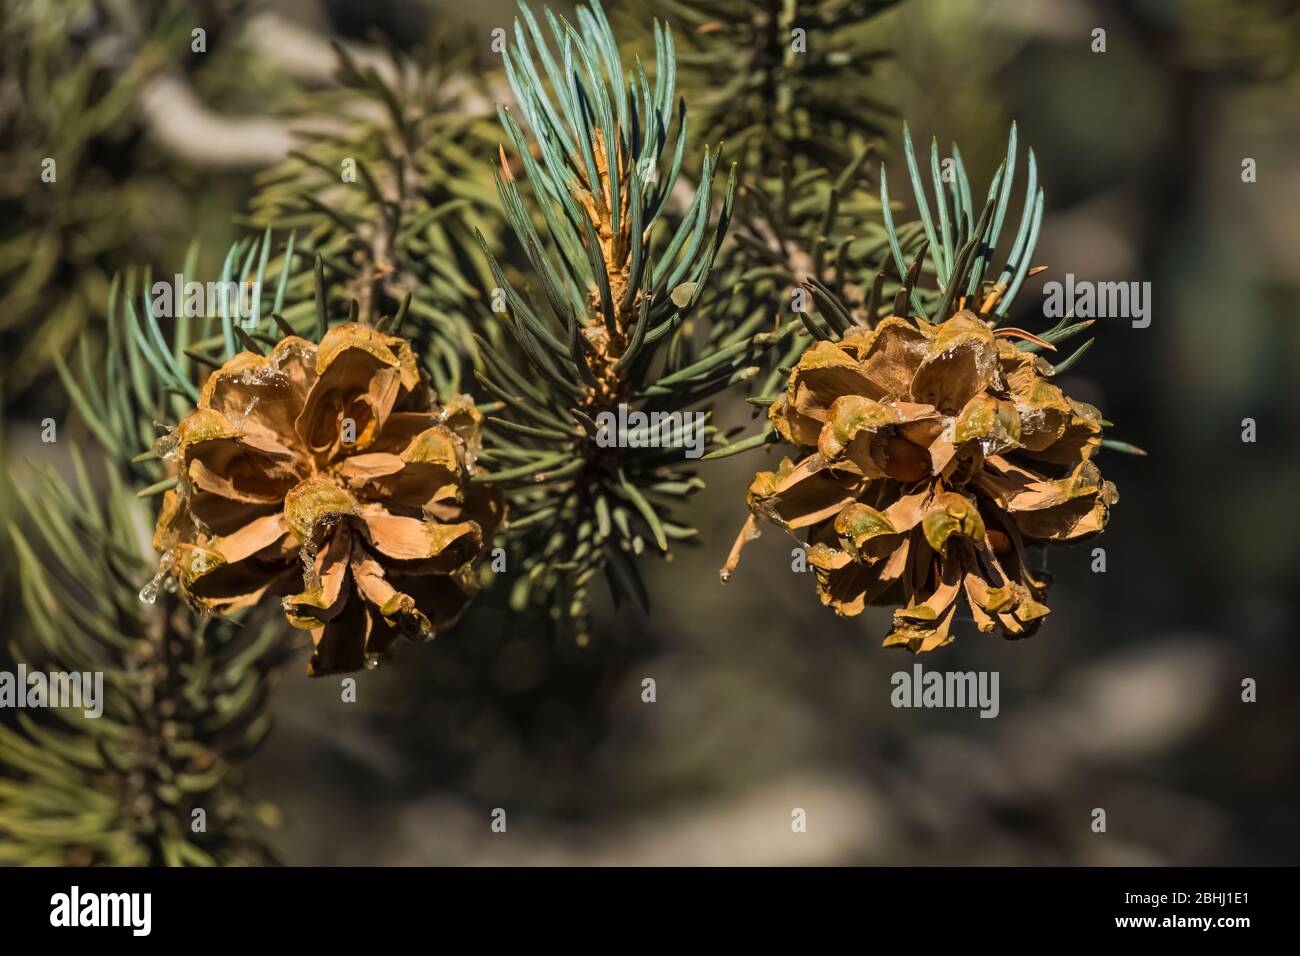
[328, 471]
[931, 455]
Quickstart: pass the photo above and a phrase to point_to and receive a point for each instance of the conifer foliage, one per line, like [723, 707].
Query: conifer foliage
[603, 329]
[438, 388]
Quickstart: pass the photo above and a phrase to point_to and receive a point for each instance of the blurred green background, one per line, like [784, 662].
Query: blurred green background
[1129, 699]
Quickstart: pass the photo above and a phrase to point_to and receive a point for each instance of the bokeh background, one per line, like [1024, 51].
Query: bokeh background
[1129, 699]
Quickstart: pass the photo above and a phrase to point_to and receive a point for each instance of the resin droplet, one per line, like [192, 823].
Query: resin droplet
[372, 661]
[149, 593]
[162, 578]
[165, 446]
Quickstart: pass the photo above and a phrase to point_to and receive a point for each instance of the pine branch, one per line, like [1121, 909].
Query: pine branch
[154, 778]
[185, 697]
[394, 198]
[606, 328]
[76, 74]
[770, 79]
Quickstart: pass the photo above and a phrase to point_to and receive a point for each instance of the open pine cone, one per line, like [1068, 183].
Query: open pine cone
[931, 455]
[327, 474]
